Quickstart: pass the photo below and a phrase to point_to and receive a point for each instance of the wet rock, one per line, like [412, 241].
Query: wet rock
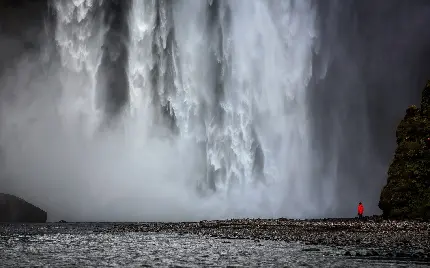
[402, 254]
[419, 252]
[390, 254]
[407, 192]
[372, 253]
[311, 249]
[15, 209]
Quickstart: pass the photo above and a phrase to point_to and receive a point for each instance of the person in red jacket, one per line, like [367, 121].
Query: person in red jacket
[360, 210]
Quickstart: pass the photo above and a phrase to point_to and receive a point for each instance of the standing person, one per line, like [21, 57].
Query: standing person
[360, 210]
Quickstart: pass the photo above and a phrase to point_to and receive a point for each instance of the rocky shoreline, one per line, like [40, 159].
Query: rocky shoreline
[371, 237]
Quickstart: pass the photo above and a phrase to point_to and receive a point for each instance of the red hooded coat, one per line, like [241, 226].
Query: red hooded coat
[360, 209]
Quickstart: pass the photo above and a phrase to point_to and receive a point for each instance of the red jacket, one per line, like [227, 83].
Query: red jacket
[360, 209]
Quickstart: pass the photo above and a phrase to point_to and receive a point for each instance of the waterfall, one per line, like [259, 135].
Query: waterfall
[79, 36]
[234, 76]
[215, 123]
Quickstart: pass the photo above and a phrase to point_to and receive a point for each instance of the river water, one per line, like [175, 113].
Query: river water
[83, 245]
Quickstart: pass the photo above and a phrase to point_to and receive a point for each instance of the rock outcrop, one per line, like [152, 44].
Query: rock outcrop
[15, 209]
[407, 192]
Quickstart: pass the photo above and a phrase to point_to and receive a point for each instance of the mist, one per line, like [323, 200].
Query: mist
[370, 66]
[366, 62]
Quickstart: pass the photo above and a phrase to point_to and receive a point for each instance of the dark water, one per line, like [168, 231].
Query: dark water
[72, 245]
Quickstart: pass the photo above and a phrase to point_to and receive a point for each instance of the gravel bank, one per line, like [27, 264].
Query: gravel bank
[372, 237]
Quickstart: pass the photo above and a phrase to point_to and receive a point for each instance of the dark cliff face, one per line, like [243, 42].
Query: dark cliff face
[22, 26]
[115, 55]
[407, 193]
[15, 209]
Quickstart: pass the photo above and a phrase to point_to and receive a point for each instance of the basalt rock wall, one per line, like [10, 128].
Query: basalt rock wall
[15, 209]
[407, 192]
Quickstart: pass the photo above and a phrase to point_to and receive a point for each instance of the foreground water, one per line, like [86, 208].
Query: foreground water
[80, 245]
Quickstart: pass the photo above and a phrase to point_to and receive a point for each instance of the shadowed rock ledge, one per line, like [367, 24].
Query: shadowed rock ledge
[407, 193]
[15, 209]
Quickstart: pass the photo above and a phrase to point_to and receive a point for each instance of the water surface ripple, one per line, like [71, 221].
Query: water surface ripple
[88, 246]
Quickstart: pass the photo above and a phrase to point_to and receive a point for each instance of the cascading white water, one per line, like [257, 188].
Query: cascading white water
[264, 53]
[79, 37]
[232, 75]
[143, 15]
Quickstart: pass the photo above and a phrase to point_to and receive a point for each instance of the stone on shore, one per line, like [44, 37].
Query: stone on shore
[16, 210]
[407, 192]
